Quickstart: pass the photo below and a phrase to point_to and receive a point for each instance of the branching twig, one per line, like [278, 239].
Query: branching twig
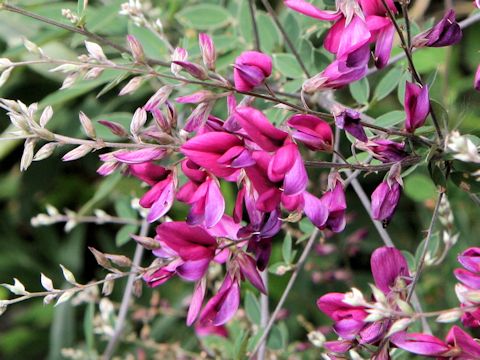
[127, 295]
[288, 288]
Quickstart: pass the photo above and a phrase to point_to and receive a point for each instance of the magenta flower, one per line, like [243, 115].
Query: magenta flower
[193, 69]
[470, 259]
[207, 204]
[470, 282]
[259, 129]
[207, 330]
[386, 196]
[445, 33]
[206, 149]
[336, 75]
[388, 266]
[385, 150]
[349, 120]
[477, 79]
[139, 156]
[334, 200]
[222, 306]
[464, 346]
[420, 344]
[248, 269]
[390, 273]
[159, 199]
[375, 7]
[383, 31]
[417, 106]
[251, 69]
[314, 132]
[308, 9]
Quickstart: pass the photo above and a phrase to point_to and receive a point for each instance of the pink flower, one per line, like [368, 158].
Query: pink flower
[251, 69]
[445, 33]
[206, 149]
[159, 199]
[336, 75]
[470, 259]
[464, 347]
[314, 132]
[385, 199]
[417, 106]
[259, 129]
[385, 150]
[222, 306]
[388, 266]
[420, 344]
[334, 200]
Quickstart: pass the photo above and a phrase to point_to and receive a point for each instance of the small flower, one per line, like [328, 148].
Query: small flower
[335, 75]
[386, 196]
[207, 48]
[349, 120]
[251, 69]
[314, 132]
[417, 106]
[445, 33]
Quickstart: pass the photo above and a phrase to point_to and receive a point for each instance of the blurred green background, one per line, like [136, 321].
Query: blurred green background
[31, 330]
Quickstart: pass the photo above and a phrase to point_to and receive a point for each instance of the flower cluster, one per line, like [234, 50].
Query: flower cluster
[469, 288]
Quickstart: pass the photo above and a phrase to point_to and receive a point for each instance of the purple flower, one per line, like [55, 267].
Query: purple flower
[420, 344]
[445, 33]
[386, 196]
[388, 266]
[251, 69]
[159, 199]
[417, 106]
[334, 201]
[464, 346]
[349, 120]
[385, 150]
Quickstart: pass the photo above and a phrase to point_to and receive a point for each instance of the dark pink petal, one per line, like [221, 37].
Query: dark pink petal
[385, 199]
[388, 264]
[163, 203]
[375, 7]
[420, 344]
[417, 106]
[206, 149]
[250, 70]
[196, 301]
[383, 46]
[148, 172]
[282, 162]
[312, 131]
[139, 156]
[308, 9]
[207, 330]
[333, 306]
[354, 36]
[336, 75]
[190, 242]
[445, 33]
[348, 328]
[259, 129]
[193, 69]
[339, 346]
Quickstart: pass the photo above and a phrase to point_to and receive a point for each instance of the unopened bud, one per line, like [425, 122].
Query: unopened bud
[108, 284]
[179, 54]
[207, 48]
[139, 119]
[45, 151]
[87, 125]
[131, 86]
[449, 316]
[49, 299]
[100, 258]
[77, 153]
[399, 325]
[316, 338]
[115, 128]
[47, 114]
[354, 298]
[95, 51]
[147, 242]
[32, 47]
[136, 49]
[138, 287]
[119, 260]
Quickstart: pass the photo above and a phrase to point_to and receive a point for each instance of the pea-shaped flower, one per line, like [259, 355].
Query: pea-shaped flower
[251, 69]
[417, 106]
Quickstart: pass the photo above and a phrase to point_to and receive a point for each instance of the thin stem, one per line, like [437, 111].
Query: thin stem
[264, 313]
[127, 295]
[421, 264]
[79, 30]
[463, 25]
[293, 49]
[288, 288]
[256, 37]
[90, 219]
[407, 23]
[411, 65]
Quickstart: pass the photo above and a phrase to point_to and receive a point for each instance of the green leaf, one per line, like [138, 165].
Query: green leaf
[390, 119]
[123, 235]
[270, 37]
[410, 260]
[252, 308]
[360, 90]
[204, 17]
[440, 112]
[287, 249]
[276, 339]
[388, 83]
[419, 187]
[432, 249]
[287, 65]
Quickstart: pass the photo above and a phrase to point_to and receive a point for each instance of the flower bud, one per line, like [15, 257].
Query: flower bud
[207, 47]
[179, 54]
[349, 120]
[136, 49]
[251, 69]
[445, 33]
[417, 106]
